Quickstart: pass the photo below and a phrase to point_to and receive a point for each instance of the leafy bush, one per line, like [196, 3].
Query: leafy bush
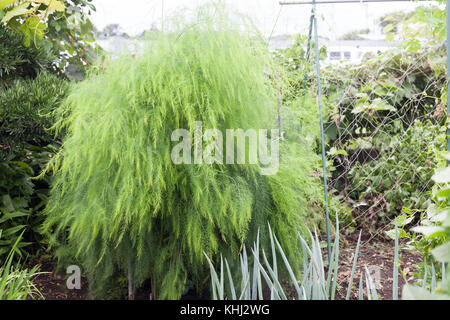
[377, 112]
[25, 147]
[60, 27]
[119, 203]
[22, 198]
[437, 228]
[25, 110]
[18, 61]
[381, 188]
[386, 122]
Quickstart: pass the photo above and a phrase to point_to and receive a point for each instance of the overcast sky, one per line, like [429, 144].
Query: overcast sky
[134, 16]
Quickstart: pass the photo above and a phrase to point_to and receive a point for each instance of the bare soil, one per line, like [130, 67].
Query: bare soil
[376, 254]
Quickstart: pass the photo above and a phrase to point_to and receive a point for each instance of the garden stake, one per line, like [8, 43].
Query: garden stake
[313, 24]
[308, 46]
[319, 101]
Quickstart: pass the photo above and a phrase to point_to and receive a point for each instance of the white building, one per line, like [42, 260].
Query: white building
[352, 51]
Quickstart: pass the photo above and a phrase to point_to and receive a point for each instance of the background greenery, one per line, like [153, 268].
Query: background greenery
[385, 121]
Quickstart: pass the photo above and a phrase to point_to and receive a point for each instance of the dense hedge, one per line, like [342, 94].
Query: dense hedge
[18, 61]
[25, 109]
[25, 148]
[28, 95]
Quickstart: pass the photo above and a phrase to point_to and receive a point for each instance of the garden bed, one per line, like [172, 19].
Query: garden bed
[373, 252]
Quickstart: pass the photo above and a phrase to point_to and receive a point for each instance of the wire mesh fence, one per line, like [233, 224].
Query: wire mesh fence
[385, 130]
[385, 125]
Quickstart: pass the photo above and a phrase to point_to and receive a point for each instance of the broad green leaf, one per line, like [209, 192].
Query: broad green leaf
[401, 234]
[17, 11]
[334, 152]
[376, 105]
[442, 253]
[442, 176]
[5, 3]
[7, 201]
[444, 193]
[33, 29]
[12, 215]
[53, 5]
[416, 293]
[388, 28]
[13, 230]
[429, 231]
[403, 220]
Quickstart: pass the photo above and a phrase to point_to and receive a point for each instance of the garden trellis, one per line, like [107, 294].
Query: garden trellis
[368, 128]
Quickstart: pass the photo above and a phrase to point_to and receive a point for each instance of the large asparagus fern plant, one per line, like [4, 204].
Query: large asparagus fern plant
[118, 202]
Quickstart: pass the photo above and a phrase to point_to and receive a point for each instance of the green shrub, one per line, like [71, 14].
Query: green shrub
[386, 121]
[436, 229]
[396, 178]
[25, 109]
[22, 198]
[18, 61]
[119, 203]
[25, 148]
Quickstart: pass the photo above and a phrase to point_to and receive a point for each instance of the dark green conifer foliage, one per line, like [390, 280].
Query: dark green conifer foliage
[118, 200]
[25, 109]
[18, 61]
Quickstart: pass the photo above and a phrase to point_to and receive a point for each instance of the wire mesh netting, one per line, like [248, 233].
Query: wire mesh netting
[385, 121]
[385, 129]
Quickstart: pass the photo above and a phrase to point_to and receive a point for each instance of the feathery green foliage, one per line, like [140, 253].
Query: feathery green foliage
[118, 201]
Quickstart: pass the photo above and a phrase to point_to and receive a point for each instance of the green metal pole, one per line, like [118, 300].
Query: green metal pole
[308, 46]
[322, 135]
